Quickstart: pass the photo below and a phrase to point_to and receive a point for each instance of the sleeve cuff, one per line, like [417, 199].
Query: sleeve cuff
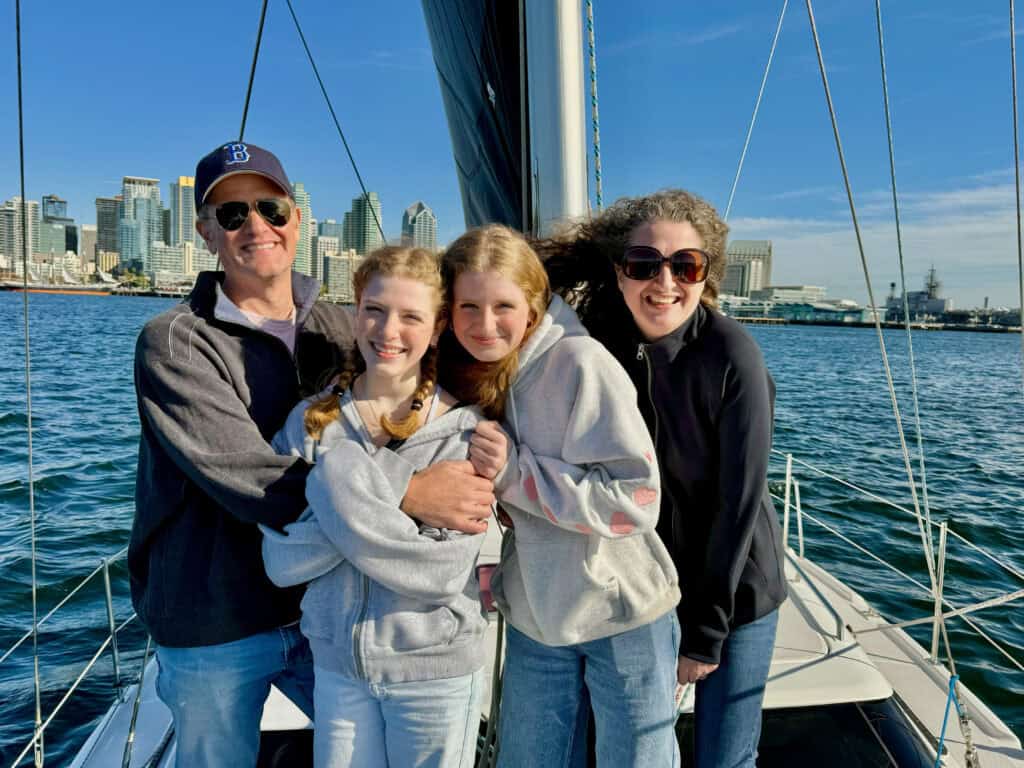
[696, 645]
[509, 475]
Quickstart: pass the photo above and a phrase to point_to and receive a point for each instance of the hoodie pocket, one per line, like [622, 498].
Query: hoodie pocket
[412, 628]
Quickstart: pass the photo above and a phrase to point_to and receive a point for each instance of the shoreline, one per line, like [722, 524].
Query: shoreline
[772, 321]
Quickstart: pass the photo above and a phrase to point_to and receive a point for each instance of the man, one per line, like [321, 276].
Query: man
[215, 377]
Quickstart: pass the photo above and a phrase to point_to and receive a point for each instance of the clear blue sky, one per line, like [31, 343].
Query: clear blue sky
[114, 89]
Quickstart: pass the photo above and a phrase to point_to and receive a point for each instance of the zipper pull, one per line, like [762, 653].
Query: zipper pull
[639, 351]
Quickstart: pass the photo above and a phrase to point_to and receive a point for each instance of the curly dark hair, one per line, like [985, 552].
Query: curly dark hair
[581, 263]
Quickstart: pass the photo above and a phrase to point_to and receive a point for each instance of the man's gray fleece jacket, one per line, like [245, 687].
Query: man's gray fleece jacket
[389, 601]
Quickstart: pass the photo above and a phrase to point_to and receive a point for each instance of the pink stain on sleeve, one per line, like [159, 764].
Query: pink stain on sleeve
[549, 514]
[649, 456]
[584, 529]
[622, 524]
[644, 496]
[530, 486]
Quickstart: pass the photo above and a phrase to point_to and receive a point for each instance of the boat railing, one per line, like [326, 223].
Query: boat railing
[793, 510]
[102, 570]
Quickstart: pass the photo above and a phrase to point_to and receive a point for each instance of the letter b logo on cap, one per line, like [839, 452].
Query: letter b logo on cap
[237, 153]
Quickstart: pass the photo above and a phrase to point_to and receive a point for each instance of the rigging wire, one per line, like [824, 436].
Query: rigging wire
[925, 536]
[334, 116]
[757, 106]
[903, 275]
[594, 118]
[252, 71]
[1016, 177]
[38, 736]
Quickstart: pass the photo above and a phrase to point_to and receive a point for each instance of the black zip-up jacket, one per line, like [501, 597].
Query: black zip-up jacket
[211, 395]
[708, 400]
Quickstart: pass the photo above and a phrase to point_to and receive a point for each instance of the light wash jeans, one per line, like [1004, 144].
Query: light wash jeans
[727, 711]
[630, 679]
[429, 723]
[216, 693]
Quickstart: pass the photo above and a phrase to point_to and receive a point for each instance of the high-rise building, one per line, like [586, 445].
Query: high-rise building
[141, 221]
[361, 230]
[323, 246]
[203, 260]
[419, 226]
[12, 232]
[338, 271]
[169, 259]
[748, 267]
[304, 246]
[165, 225]
[87, 246]
[329, 228]
[55, 212]
[108, 214]
[54, 208]
[183, 211]
[52, 239]
[106, 260]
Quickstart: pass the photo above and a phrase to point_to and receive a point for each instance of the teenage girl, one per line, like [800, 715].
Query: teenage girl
[392, 613]
[585, 583]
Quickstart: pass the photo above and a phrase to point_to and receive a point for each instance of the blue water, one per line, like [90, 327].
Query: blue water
[833, 411]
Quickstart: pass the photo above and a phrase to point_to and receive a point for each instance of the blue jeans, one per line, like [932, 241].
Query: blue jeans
[216, 693]
[630, 680]
[727, 711]
[429, 723]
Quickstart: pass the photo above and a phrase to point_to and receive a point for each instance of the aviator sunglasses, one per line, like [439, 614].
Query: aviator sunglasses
[641, 262]
[276, 211]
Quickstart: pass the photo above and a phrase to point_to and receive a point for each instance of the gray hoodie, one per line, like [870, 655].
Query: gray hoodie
[388, 601]
[583, 560]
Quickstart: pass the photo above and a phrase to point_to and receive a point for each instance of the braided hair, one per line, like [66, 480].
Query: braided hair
[390, 261]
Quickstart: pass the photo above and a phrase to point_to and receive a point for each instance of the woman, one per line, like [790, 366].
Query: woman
[392, 610]
[585, 583]
[644, 276]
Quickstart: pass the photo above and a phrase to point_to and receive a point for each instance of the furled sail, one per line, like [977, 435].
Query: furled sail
[476, 45]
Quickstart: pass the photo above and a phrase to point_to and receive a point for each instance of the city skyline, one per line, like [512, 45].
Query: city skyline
[150, 238]
[676, 89]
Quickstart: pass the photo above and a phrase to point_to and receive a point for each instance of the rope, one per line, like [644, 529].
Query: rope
[1016, 177]
[334, 117]
[925, 535]
[903, 276]
[950, 699]
[757, 106]
[593, 105]
[252, 71]
[37, 739]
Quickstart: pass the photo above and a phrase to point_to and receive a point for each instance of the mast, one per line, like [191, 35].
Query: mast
[556, 113]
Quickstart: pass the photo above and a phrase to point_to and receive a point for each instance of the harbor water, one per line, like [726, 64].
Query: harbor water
[833, 410]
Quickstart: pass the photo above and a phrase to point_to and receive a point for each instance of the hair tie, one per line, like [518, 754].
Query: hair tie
[338, 390]
[417, 404]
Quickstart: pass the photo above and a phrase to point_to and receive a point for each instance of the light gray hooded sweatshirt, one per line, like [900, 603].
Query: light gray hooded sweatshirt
[388, 601]
[582, 488]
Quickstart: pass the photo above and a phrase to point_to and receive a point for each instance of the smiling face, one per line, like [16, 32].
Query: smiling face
[396, 321]
[256, 253]
[663, 303]
[490, 315]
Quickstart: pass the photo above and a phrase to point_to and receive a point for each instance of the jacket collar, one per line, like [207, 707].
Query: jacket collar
[664, 350]
[206, 294]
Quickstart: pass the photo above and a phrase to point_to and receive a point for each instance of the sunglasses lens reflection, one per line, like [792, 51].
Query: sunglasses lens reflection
[643, 263]
[232, 215]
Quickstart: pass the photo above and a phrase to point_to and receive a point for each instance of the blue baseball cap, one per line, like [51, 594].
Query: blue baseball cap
[233, 159]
